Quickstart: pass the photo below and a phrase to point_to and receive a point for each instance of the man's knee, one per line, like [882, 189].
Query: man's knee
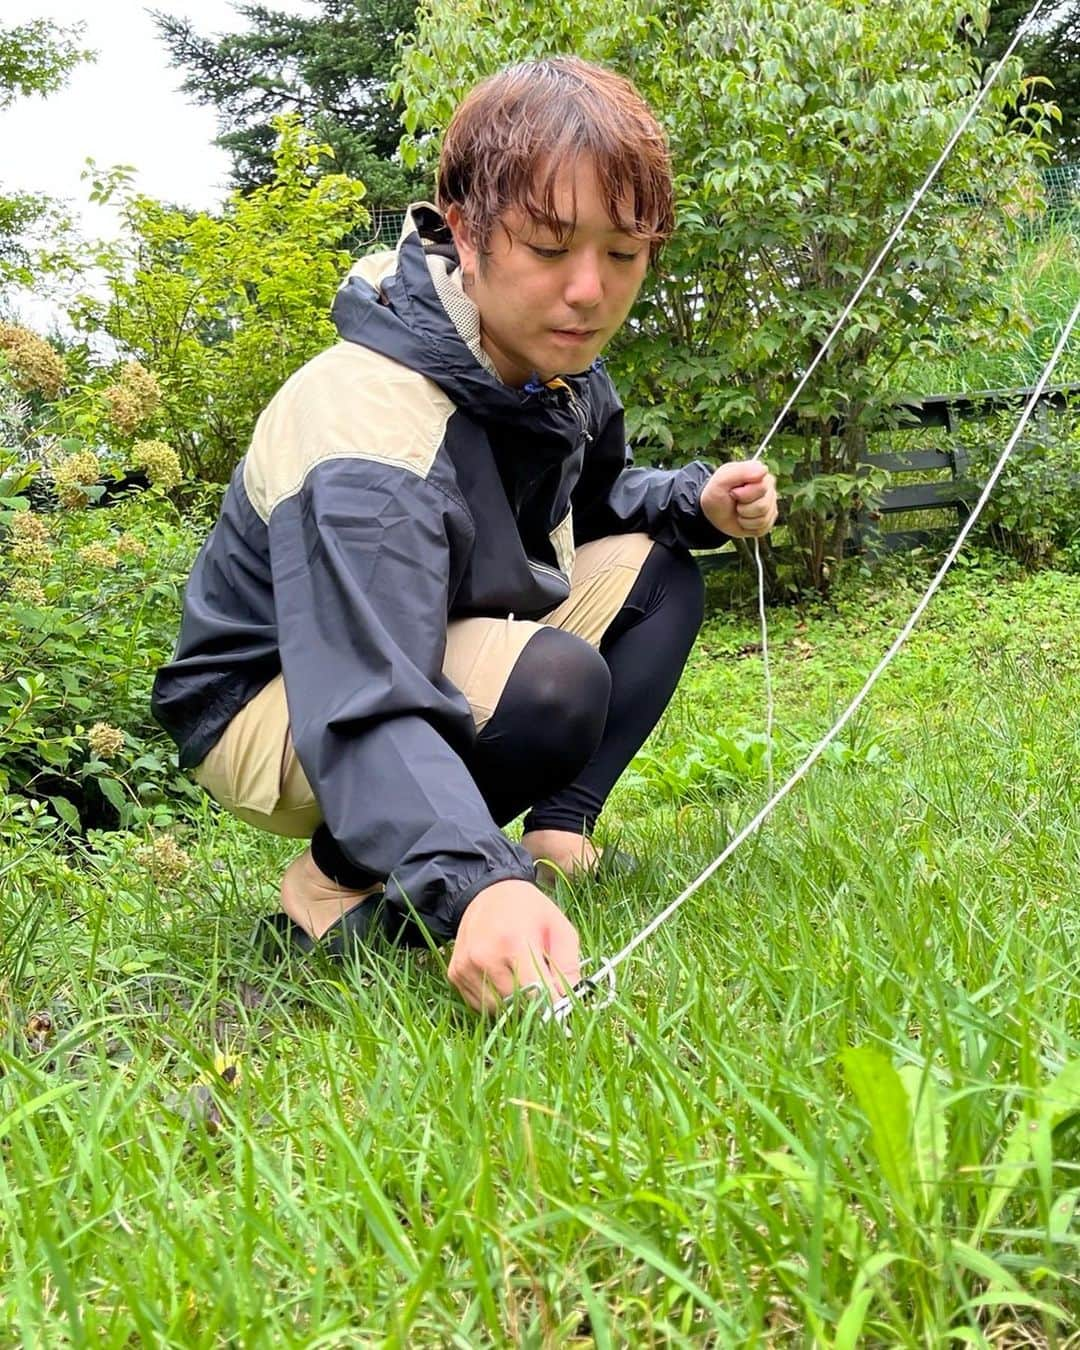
[568, 687]
[555, 703]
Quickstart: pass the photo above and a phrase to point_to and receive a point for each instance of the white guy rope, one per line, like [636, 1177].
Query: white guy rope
[561, 1009]
[770, 708]
[827, 345]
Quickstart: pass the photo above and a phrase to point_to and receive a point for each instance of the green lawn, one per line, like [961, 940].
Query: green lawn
[833, 1103]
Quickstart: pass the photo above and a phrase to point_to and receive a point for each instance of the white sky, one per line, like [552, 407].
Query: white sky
[123, 108]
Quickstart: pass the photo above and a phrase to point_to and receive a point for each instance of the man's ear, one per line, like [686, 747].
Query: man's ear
[467, 251]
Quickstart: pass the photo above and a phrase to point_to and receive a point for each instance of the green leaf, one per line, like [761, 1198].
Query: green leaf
[24, 1110]
[929, 1137]
[1060, 1099]
[1016, 1298]
[1061, 1215]
[883, 1100]
[67, 813]
[850, 1325]
[1030, 1140]
[1007, 1175]
[113, 793]
[982, 1265]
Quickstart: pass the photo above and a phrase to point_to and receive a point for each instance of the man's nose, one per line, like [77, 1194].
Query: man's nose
[585, 285]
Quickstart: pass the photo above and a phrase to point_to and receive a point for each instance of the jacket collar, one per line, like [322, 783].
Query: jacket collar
[409, 304]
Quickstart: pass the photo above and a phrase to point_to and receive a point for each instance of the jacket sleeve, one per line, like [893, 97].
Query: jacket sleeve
[613, 497]
[361, 559]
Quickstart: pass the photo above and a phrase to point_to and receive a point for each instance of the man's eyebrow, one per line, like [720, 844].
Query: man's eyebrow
[564, 227]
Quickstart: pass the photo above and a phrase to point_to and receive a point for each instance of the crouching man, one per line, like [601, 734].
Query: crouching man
[438, 595]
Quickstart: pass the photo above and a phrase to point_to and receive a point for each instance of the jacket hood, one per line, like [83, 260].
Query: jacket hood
[409, 304]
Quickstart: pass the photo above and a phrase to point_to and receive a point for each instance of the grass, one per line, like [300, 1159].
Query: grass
[831, 1105]
[1041, 287]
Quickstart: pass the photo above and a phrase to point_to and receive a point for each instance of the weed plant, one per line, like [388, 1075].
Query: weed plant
[832, 1103]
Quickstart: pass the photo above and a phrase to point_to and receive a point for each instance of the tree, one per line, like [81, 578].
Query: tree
[799, 134]
[221, 308]
[331, 70]
[1052, 51]
[35, 58]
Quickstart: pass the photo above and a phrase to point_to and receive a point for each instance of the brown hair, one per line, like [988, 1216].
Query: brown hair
[539, 114]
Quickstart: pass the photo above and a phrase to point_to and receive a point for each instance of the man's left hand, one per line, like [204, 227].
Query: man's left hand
[740, 499]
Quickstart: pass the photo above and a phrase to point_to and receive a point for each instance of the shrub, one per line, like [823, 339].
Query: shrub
[34, 365]
[88, 610]
[221, 308]
[1033, 514]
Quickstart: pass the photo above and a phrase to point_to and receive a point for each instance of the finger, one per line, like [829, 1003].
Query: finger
[497, 986]
[741, 473]
[758, 487]
[534, 967]
[753, 529]
[477, 993]
[483, 989]
[472, 994]
[564, 959]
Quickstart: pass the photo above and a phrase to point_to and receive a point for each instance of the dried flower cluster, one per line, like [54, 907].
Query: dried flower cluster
[34, 364]
[30, 539]
[105, 741]
[163, 859]
[130, 546]
[98, 555]
[73, 475]
[133, 398]
[29, 591]
[161, 462]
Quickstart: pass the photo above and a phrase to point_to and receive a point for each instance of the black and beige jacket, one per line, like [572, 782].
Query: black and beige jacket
[393, 483]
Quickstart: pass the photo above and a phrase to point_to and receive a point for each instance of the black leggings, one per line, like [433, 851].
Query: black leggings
[571, 718]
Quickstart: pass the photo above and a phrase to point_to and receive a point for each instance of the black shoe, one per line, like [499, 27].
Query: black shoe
[278, 936]
[616, 862]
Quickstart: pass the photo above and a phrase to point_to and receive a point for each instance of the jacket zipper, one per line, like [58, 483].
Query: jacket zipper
[575, 406]
[580, 413]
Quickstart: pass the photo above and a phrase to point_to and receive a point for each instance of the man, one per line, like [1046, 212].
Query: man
[437, 596]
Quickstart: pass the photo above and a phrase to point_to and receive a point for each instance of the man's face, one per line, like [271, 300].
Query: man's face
[549, 305]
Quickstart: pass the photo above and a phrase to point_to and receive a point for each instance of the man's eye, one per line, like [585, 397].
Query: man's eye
[625, 257]
[542, 252]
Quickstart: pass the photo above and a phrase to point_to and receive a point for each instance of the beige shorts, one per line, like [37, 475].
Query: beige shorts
[253, 771]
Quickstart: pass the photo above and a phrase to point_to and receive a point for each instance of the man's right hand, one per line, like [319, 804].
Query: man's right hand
[512, 935]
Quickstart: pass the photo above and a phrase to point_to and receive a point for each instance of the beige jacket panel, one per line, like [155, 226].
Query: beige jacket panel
[346, 403]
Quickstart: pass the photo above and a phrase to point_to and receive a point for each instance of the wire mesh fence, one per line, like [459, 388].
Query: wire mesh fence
[1061, 183]
[386, 226]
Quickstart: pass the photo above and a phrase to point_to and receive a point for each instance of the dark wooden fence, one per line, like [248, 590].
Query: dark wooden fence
[950, 497]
